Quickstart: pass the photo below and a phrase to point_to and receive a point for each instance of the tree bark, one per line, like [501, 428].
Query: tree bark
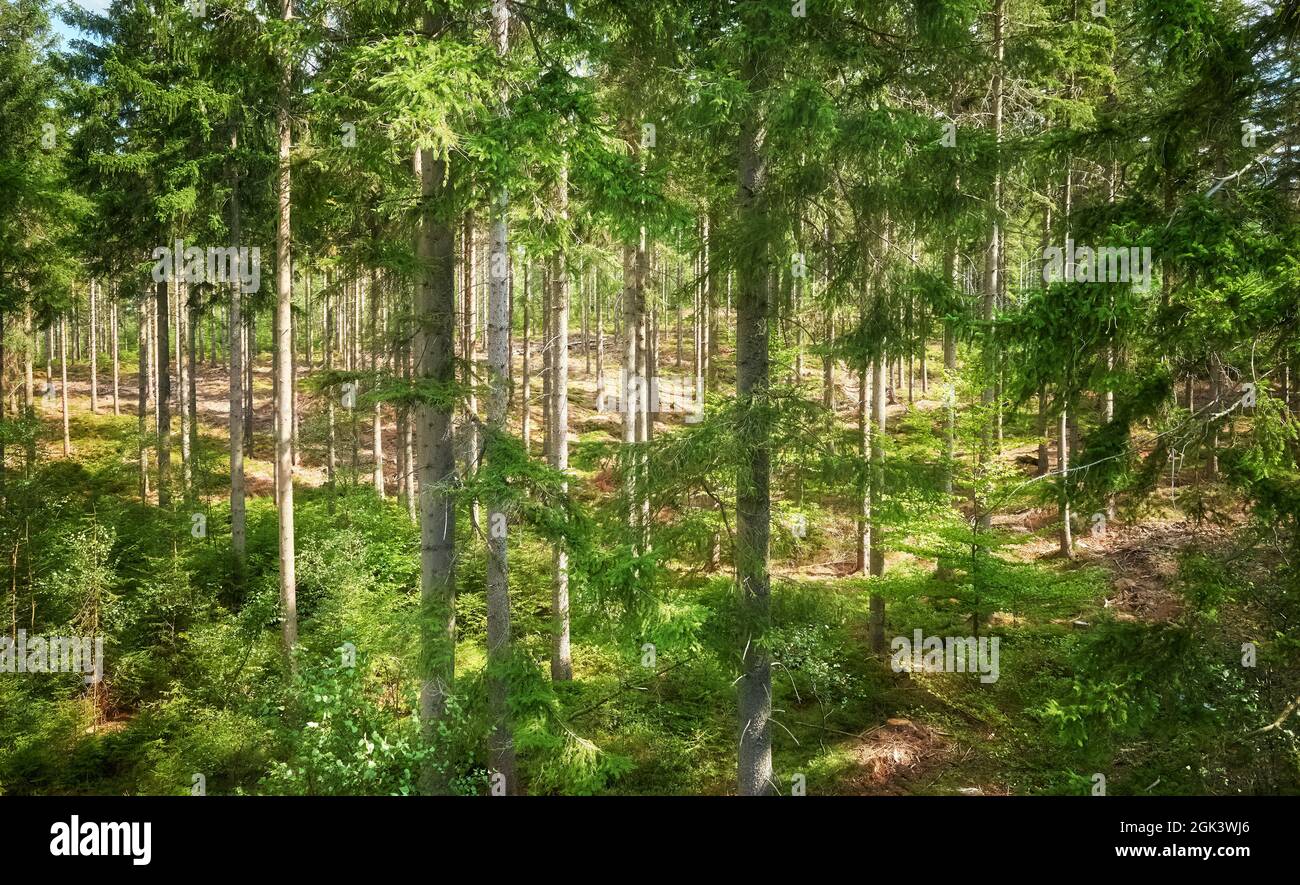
[117, 359]
[753, 498]
[184, 373]
[435, 317]
[238, 530]
[561, 663]
[162, 347]
[284, 366]
[94, 348]
[377, 428]
[142, 395]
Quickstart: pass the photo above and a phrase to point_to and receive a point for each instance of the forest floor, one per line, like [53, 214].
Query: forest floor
[845, 723]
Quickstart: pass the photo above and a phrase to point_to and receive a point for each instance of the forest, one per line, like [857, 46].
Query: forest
[650, 397]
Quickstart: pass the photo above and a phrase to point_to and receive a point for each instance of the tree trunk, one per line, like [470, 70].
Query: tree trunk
[377, 428]
[238, 530]
[878, 415]
[526, 382]
[864, 493]
[498, 573]
[435, 317]
[1063, 442]
[191, 398]
[284, 366]
[331, 442]
[94, 348]
[117, 359]
[142, 395]
[600, 346]
[184, 371]
[468, 346]
[561, 663]
[1044, 454]
[993, 250]
[162, 346]
[63, 384]
[753, 499]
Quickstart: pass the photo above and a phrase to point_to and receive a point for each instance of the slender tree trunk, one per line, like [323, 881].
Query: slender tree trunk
[284, 366]
[561, 663]
[408, 441]
[377, 428]
[864, 451]
[331, 440]
[153, 355]
[63, 385]
[878, 415]
[293, 387]
[993, 250]
[526, 382]
[142, 395]
[600, 346]
[435, 318]
[250, 357]
[498, 573]
[29, 378]
[1216, 393]
[753, 500]
[1044, 453]
[162, 344]
[94, 348]
[469, 295]
[1063, 442]
[184, 372]
[633, 385]
[115, 319]
[238, 530]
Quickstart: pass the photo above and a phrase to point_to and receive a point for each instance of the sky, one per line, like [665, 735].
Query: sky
[63, 30]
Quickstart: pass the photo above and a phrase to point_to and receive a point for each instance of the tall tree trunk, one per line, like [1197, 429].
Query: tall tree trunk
[250, 357]
[377, 425]
[600, 344]
[498, 573]
[331, 441]
[1063, 442]
[238, 530]
[408, 430]
[63, 385]
[828, 330]
[498, 345]
[561, 663]
[1044, 454]
[293, 387]
[753, 498]
[526, 382]
[435, 318]
[142, 395]
[29, 378]
[284, 365]
[864, 451]
[115, 320]
[1216, 393]
[94, 348]
[993, 250]
[184, 369]
[468, 345]
[878, 415]
[162, 347]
